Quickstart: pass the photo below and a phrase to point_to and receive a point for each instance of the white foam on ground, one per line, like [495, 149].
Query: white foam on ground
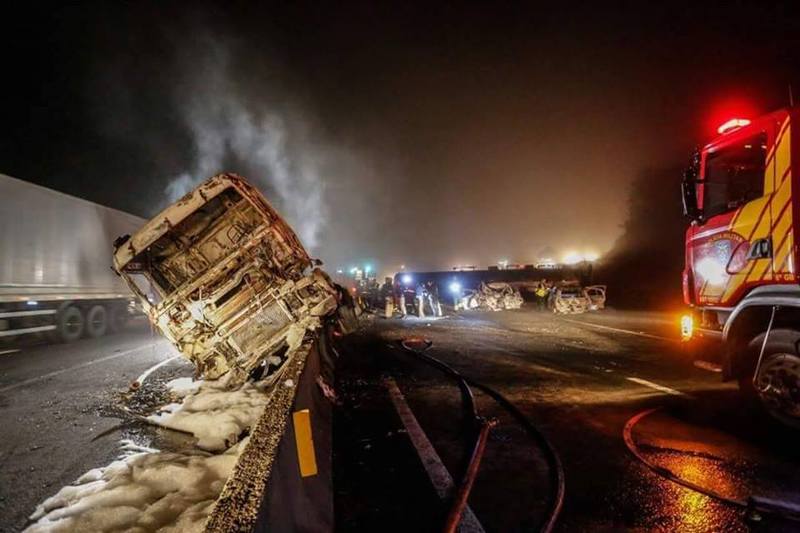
[215, 414]
[150, 490]
[144, 490]
[180, 387]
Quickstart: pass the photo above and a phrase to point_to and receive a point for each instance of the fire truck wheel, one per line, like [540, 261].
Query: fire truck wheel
[70, 324]
[96, 321]
[777, 386]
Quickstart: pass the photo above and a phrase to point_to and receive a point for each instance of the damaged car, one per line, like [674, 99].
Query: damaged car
[226, 280]
[495, 296]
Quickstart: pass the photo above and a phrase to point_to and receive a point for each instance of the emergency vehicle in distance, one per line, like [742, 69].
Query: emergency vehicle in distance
[740, 276]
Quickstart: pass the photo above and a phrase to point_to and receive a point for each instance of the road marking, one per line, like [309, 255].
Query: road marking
[618, 330]
[143, 376]
[658, 387]
[440, 478]
[76, 367]
[8, 352]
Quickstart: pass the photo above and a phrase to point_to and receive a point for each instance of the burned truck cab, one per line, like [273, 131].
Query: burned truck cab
[225, 279]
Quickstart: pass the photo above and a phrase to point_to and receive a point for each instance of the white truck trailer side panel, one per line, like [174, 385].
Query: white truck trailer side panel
[57, 247]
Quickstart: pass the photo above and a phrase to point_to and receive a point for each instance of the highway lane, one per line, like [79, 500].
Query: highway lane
[581, 383]
[54, 399]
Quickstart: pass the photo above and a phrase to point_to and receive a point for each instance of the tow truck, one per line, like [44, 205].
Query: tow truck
[740, 279]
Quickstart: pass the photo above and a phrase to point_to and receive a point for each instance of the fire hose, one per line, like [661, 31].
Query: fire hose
[557, 470]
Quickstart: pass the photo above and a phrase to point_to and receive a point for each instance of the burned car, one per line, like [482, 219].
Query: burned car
[494, 295]
[225, 279]
[597, 297]
[570, 299]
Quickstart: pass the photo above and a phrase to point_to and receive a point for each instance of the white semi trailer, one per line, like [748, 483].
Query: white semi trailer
[55, 264]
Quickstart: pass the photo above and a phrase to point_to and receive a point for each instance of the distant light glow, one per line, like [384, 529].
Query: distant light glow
[572, 258]
[32, 302]
[733, 124]
[353, 270]
[367, 269]
[406, 278]
[455, 287]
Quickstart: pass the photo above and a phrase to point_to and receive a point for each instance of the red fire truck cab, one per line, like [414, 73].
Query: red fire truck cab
[741, 277]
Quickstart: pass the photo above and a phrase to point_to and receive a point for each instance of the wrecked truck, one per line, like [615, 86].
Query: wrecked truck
[225, 279]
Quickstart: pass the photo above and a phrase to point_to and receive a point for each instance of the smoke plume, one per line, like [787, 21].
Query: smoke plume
[232, 131]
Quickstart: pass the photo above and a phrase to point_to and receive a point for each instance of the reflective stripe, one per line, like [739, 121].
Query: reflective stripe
[305, 443]
[12, 332]
[12, 314]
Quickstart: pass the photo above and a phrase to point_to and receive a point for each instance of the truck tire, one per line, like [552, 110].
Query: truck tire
[96, 321]
[70, 324]
[777, 386]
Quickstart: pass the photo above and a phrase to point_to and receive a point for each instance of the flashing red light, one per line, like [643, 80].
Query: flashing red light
[733, 124]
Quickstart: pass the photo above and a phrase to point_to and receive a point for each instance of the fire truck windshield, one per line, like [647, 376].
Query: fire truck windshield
[734, 175]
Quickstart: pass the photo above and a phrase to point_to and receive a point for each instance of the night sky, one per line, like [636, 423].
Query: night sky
[431, 136]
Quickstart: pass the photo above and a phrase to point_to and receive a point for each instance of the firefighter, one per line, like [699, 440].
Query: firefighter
[433, 298]
[419, 296]
[387, 296]
[402, 302]
[541, 293]
[551, 296]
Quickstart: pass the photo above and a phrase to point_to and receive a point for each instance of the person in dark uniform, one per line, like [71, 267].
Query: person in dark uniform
[432, 290]
[419, 296]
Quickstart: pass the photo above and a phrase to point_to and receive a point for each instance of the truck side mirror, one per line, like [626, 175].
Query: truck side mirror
[689, 189]
[689, 193]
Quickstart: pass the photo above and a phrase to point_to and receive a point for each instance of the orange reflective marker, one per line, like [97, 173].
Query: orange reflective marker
[305, 443]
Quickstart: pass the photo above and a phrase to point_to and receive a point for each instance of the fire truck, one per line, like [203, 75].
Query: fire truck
[740, 278]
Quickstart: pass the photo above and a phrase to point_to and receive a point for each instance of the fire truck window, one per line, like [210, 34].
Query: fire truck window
[734, 175]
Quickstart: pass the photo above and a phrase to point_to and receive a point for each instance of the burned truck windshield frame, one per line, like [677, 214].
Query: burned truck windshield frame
[192, 246]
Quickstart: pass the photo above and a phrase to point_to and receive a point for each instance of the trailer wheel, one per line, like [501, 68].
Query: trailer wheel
[117, 318]
[70, 324]
[96, 321]
[777, 386]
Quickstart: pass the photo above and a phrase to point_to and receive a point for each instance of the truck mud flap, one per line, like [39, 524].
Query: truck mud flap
[285, 483]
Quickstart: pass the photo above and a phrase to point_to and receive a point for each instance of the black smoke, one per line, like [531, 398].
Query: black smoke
[643, 269]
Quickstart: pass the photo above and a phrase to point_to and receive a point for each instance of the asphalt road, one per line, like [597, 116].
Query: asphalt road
[54, 400]
[579, 379]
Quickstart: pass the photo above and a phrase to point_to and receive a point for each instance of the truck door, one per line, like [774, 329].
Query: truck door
[779, 169]
[735, 215]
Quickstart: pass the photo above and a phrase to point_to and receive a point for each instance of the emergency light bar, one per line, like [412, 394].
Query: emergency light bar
[733, 124]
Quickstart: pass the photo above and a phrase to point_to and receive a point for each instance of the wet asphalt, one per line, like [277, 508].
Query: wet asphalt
[579, 379]
[55, 400]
